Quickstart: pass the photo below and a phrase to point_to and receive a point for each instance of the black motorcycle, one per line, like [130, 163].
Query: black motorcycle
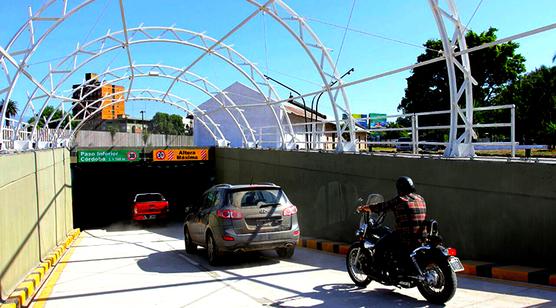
[430, 267]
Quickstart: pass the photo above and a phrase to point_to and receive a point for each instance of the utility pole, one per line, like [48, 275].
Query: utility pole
[304, 108]
[143, 132]
[321, 93]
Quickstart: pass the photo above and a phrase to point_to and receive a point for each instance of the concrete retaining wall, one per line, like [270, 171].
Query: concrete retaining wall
[35, 211]
[491, 211]
[92, 139]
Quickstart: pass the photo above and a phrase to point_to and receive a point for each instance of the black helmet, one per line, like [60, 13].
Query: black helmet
[405, 185]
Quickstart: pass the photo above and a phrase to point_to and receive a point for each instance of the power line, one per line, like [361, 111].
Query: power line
[265, 41]
[96, 21]
[472, 16]
[371, 34]
[345, 34]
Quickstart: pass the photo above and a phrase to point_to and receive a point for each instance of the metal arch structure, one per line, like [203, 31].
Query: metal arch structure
[101, 46]
[191, 79]
[287, 18]
[152, 96]
[457, 146]
[66, 12]
[309, 41]
[20, 58]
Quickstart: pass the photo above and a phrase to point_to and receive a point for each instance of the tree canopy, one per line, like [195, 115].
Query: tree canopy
[11, 110]
[534, 96]
[493, 68]
[168, 124]
[49, 110]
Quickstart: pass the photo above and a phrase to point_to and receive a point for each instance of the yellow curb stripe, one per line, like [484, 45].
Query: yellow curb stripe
[48, 287]
[344, 249]
[10, 303]
[18, 295]
[26, 289]
[35, 278]
[312, 244]
[328, 246]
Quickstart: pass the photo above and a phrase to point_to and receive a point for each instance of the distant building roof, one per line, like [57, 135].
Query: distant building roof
[300, 112]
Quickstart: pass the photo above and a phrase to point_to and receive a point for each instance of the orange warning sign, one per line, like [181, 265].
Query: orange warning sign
[180, 155]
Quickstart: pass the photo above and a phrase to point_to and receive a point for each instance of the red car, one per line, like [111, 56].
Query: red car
[149, 206]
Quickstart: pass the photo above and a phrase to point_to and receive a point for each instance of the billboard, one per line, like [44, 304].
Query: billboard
[180, 155]
[106, 156]
[377, 120]
[361, 120]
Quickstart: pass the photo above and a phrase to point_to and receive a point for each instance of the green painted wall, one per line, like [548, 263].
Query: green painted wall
[492, 211]
[35, 211]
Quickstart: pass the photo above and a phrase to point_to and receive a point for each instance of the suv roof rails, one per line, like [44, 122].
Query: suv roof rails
[223, 185]
[266, 183]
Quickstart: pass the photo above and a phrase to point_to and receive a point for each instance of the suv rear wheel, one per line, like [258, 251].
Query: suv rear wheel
[212, 251]
[285, 252]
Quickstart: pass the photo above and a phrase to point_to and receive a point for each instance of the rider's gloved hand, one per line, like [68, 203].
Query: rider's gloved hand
[363, 208]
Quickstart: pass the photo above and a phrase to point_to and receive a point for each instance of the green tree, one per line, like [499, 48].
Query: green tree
[11, 110]
[428, 86]
[167, 124]
[534, 96]
[49, 110]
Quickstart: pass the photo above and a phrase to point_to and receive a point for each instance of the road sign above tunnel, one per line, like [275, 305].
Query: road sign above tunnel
[180, 154]
[107, 156]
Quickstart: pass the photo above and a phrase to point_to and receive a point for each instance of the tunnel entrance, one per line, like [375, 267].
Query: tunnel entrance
[103, 192]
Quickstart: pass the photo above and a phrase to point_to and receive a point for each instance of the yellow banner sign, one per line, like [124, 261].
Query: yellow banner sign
[180, 155]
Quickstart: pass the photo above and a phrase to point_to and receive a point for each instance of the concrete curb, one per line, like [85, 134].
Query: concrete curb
[472, 268]
[27, 288]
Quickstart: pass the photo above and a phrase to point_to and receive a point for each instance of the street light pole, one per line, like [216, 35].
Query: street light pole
[321, 93]
[304, 107]
[143, 132]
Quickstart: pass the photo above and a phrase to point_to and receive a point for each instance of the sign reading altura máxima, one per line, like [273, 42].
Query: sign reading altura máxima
[106, 156]
[180, 155]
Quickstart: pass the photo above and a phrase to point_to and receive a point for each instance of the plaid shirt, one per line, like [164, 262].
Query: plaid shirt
[410, 212]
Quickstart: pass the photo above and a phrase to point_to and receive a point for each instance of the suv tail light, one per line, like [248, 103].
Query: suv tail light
[289, 211]
[229, 214]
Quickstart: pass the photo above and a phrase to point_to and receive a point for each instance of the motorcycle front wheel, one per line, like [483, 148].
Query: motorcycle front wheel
[355, 265]
[440, 283]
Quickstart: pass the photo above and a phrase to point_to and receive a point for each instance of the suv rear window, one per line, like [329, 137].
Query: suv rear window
[253, 197]
[148, 197]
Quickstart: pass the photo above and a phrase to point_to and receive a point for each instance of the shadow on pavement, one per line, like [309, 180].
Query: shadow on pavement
[173, 262]
[349, 295]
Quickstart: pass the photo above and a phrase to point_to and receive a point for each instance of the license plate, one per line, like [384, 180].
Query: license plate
[455, 264]
[147, 217]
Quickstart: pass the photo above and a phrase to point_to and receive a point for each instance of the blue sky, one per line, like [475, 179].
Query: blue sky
[266, 43]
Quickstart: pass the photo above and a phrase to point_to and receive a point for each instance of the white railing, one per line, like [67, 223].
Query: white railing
[41, 139]
[318, 137]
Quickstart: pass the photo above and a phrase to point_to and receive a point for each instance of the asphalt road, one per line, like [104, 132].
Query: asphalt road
[126, 266]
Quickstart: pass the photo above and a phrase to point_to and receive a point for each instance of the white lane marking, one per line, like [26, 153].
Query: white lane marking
[188, 260]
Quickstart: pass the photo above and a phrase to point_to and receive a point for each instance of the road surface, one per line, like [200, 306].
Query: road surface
[130, 266]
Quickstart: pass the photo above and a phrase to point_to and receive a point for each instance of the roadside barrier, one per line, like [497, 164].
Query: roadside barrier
[471, 268]
[25, 291]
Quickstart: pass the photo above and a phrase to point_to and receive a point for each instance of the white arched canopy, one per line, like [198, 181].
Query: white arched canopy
[48, 90]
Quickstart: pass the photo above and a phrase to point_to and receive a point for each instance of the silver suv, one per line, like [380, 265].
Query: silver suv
[239, 218]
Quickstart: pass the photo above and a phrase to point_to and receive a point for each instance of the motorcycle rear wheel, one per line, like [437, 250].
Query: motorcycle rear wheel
[444, 288]
[355, 267]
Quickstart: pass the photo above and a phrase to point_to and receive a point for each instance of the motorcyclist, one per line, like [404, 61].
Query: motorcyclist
[410, 210]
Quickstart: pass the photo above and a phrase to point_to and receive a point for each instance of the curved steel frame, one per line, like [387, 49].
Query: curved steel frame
[168, 99]
[457, 146]
[307, 38]
[231, 56]
[197, 82]
[283, 15]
